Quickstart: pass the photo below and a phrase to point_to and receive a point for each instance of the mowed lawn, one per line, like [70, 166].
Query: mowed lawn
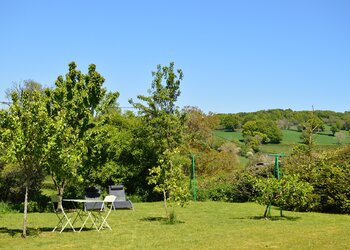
[203, 225]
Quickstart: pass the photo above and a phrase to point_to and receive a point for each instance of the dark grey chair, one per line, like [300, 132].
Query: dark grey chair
[93, 193]
[121, 201]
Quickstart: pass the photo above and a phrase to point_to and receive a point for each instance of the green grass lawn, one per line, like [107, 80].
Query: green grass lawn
[203, 225]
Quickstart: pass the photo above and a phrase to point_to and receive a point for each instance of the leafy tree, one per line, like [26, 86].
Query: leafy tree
[311, 126]
[168, 178]
[290, 193]
[334, 129]
[231, 121]
[328, 173]
[162, 117]
[199, 128]
[110, 156]
[24, 138]
[72, 105]
[340, 137]
[163, 123]
[267, 130]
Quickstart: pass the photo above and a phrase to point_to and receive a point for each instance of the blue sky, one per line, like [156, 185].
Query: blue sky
[236, 55]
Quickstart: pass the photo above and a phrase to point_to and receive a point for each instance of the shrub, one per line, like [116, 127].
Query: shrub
[290, 193]
[6, 208]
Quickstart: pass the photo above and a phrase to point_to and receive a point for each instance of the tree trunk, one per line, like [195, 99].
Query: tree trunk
[24, 233]
[60, 197]
[165, 204]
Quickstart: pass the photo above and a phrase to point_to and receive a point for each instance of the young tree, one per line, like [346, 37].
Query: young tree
[169, 180]
[163, 126]
[24, 138]
[72, 105]
[311, 126]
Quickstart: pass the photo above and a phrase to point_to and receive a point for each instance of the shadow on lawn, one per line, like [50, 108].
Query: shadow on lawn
[160, 219]
[30, 231]
[272, 218]
[289, 218]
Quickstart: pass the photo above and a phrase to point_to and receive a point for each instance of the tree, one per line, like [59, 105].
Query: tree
[230, 121]
[72, 105]
[24, 138]
[267, 130]
[334, 129]
[168, 179]
[199, 128]
[340, 137]
[311, 126]
[290, 193]
[163, 126]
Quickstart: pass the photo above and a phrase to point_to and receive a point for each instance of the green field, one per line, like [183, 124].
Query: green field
[290, 139]
[202, 225]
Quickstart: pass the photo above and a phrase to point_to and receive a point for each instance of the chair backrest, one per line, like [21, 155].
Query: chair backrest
[109, 198]
[92, 192]
[118, 191]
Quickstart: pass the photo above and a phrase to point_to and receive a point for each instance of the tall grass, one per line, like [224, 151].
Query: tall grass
[201, 225]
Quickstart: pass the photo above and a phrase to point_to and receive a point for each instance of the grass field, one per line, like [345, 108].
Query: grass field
[290, 138]
[203, 225]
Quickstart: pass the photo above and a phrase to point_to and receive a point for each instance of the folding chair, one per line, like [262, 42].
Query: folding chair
[63, 219]
[91, 207]
[92, 193]
[121, 201]
[108, 199]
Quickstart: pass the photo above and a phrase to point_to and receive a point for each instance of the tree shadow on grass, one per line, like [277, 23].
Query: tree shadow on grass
[271, 218]
[31, 232]
[274, 218]
[163, 220]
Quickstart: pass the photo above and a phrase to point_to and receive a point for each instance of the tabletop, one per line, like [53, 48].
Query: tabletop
[83, 200]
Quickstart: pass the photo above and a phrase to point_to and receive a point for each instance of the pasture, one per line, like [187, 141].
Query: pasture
[201, 225]
[291, 138]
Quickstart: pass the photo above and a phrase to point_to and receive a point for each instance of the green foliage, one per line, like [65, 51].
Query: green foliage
[6, 207]
[212, 162]
[199, 128]
[238, 187]
[168, 179]
[72, 105]
[328, 173]
[290, 192]
[162, 124]
[266, 130]
[230, 121]
[23, 140]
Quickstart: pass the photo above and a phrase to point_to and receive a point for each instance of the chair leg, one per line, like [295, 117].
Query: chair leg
[104, 221]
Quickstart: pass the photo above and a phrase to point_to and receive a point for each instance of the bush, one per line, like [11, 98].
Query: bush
[290, 193]
[6, 208]
[328, 173]
[236, 188]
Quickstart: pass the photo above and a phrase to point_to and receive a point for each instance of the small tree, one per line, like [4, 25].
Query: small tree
[24, 138]
[311, 126]
[334, 129]
[169, 180]
[290, 193]
[340, 137]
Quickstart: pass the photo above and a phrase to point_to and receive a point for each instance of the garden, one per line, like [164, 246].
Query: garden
[196, 180]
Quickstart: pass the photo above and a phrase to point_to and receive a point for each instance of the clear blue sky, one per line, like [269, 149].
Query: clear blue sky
[236, 55]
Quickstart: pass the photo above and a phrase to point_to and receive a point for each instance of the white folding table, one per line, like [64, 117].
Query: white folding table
[81, 213]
